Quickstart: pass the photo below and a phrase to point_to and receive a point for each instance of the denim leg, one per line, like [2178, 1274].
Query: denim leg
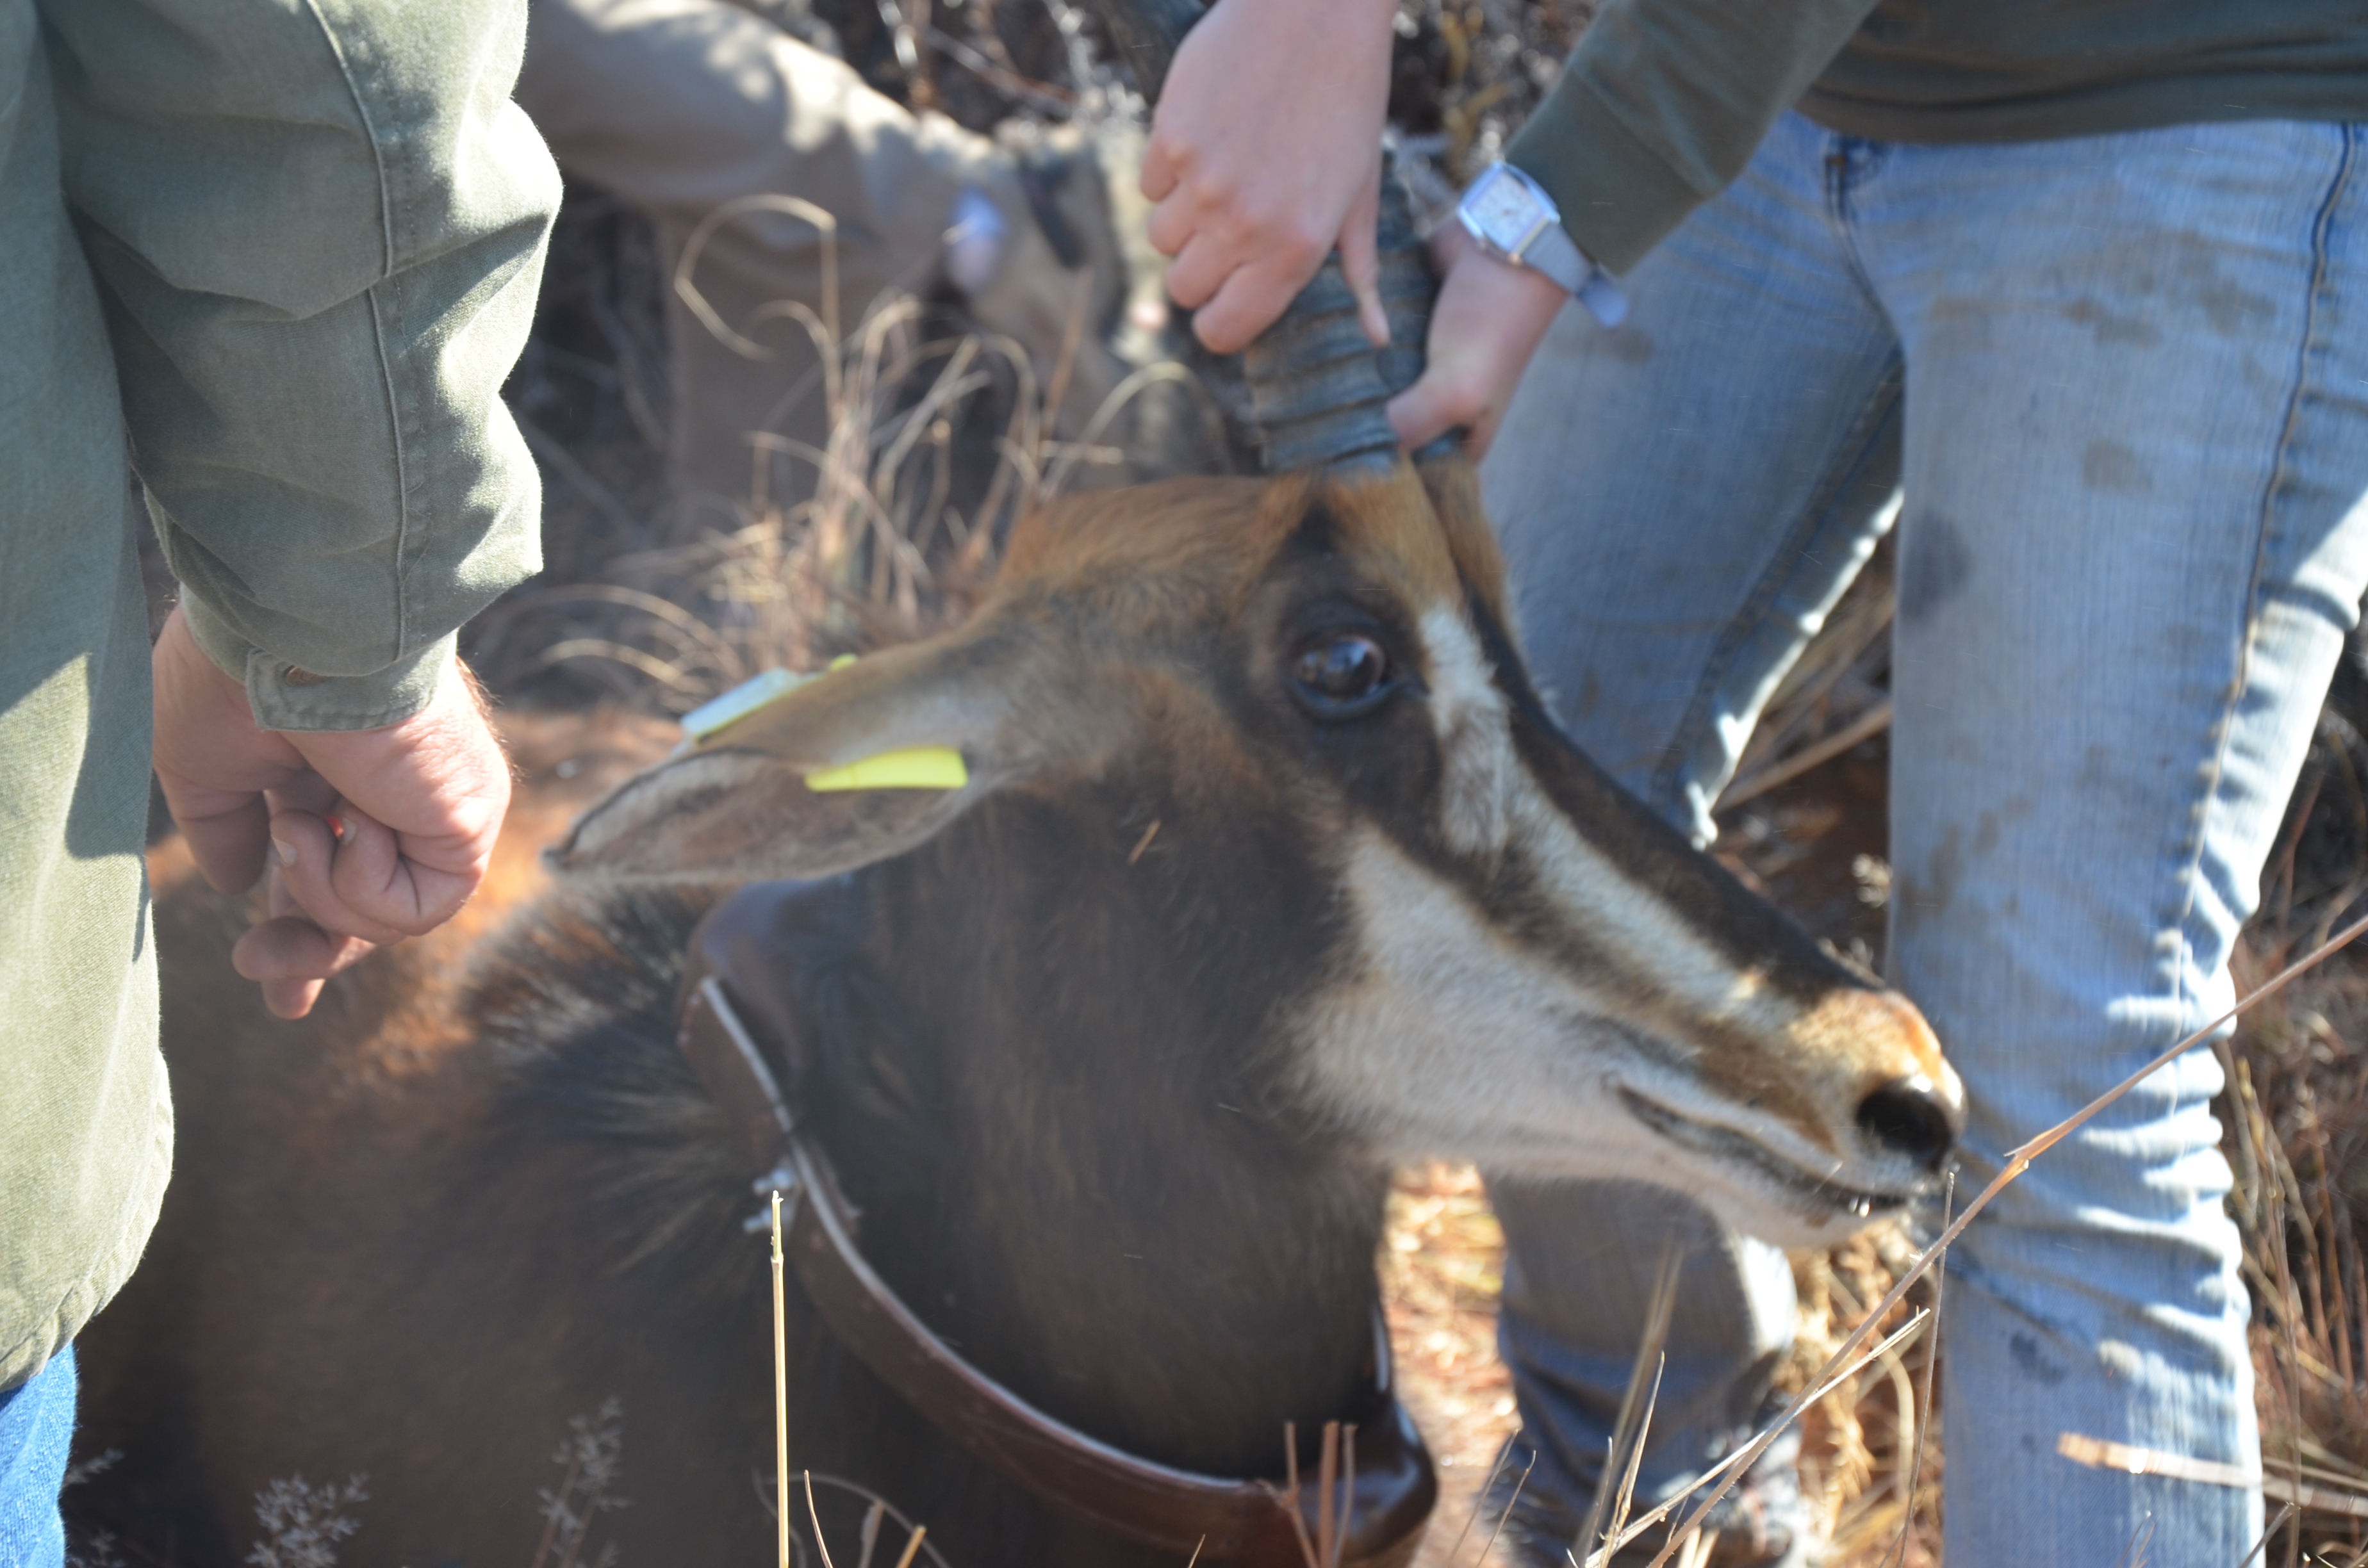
[1681, 501]
[36, 1420]
[2135, 455]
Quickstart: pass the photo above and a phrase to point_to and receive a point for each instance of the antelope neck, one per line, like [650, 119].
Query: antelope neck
[723, 1007]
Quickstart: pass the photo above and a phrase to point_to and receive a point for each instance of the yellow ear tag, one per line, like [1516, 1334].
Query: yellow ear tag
[918, 767]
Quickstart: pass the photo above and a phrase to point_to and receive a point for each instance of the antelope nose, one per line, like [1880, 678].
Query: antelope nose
[1909, 1117]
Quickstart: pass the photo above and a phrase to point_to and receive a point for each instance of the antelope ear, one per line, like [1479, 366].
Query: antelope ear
[739, 806]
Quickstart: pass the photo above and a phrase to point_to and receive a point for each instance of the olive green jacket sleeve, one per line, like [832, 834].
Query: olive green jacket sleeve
[1662, 104]
[317, 231]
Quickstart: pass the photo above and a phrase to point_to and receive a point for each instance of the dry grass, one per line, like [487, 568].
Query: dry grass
[1441, 1269]
[1442, 1265]
[2296, 1122]
[1861, 1468]
[937, 441]
[884, 551]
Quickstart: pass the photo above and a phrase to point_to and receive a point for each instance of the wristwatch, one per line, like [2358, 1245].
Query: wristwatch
[1515, 221]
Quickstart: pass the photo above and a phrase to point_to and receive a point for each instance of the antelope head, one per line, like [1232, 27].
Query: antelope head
[1519, 964]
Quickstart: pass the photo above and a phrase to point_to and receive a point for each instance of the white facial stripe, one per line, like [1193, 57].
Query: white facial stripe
[1449, 1038]
[1636, 929]
[1475, 743]
[1490, 800]
[1427, 1037]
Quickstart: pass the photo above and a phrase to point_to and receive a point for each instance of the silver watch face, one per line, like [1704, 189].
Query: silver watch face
[1503, 211]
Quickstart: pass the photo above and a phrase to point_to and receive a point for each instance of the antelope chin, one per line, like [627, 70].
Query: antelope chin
[1768, 1194]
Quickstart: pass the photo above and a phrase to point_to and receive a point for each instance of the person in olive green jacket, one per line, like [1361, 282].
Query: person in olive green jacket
[275, 260]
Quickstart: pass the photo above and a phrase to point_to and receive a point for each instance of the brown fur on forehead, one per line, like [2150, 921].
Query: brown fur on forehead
[1200, 750]
[1161, 555]
[1394, 532]
[1154, 556]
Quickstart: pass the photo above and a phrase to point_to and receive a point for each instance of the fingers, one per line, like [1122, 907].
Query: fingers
[290, 958]
[1266, 146]
[226, 833]
[211, 761]
[1488, 321]
[1239, 283]
[423, 803]
[361, 884]
[1242, 256]
[292, 999]
[1200, 269]
[1161, 169]
[1440, 402]
[1361, 263]
[1430, 408]
[307, 855]
[1211, 254]
[1250, 300]
[1171, 224]
[420, 803]
[1239, 267]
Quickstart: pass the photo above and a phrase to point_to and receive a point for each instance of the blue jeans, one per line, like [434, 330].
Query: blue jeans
[36, 1420]
[2122, 385]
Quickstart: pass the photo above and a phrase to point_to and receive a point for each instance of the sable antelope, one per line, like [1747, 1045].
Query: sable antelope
[1264, 870]
[1269, 873]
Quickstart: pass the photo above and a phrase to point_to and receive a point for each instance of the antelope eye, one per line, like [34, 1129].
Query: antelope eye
[1338, 674]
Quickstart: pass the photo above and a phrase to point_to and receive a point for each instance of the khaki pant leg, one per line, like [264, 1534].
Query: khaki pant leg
[678, 107]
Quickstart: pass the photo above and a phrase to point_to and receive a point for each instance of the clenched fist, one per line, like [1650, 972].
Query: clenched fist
[368, 836]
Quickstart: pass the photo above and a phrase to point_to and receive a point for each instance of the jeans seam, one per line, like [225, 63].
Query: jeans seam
[1849, 460]
[1844, 172]
[2311, 346]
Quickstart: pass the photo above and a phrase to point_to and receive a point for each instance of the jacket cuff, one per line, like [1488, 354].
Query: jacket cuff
[1619, 197]
[283, 696]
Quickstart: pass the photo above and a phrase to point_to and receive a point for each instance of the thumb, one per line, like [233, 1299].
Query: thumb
[1425, 409]
[225, 830]
[1360, 265]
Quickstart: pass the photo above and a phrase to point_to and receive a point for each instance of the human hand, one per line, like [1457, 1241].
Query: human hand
[1489, 318]
[1265, 152]
[419, 803]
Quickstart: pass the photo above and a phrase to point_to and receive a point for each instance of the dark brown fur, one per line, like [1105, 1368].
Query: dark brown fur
[478, 1193]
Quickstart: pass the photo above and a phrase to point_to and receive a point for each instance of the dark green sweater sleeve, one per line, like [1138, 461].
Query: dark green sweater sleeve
[1663, 103]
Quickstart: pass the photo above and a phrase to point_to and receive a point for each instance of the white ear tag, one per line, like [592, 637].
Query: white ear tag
[722, 712]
